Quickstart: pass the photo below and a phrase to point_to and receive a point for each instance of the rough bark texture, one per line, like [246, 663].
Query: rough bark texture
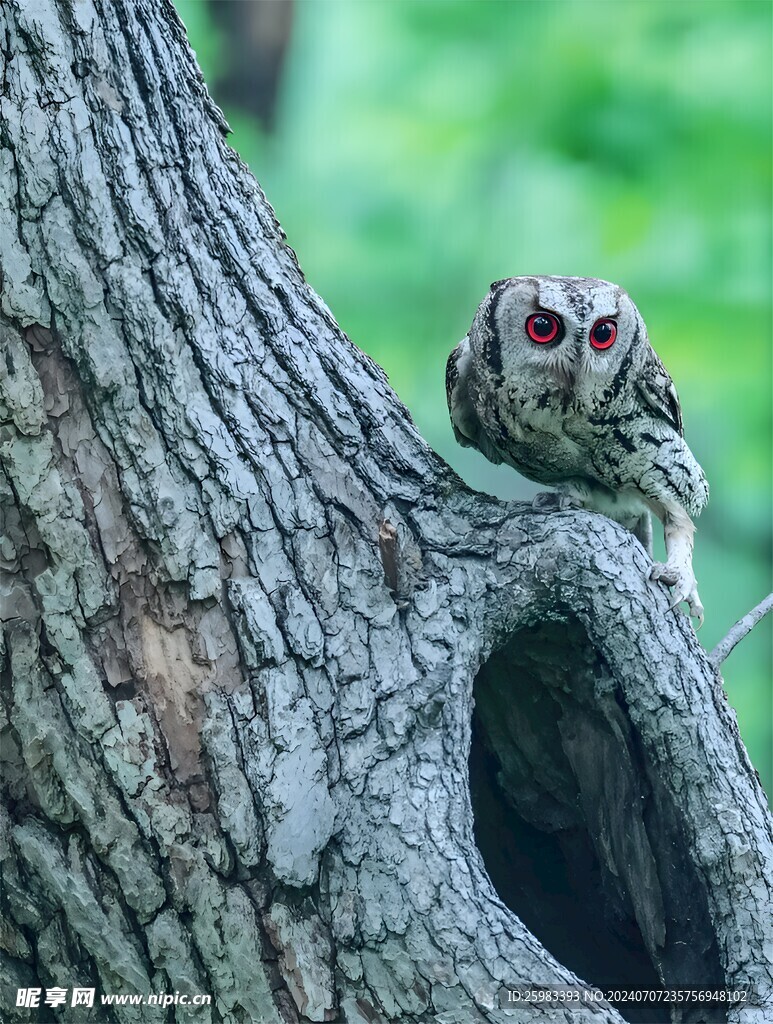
[247, 612]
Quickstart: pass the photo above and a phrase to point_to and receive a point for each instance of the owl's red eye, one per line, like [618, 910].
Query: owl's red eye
[542, 327]
[603, 333]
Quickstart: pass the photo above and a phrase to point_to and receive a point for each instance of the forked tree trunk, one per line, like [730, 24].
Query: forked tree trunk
[248, 614]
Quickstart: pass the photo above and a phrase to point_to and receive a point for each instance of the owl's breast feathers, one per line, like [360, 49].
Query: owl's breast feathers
[508, 421]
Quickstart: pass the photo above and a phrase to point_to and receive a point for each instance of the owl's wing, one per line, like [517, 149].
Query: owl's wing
[658, 391]
[468, 429]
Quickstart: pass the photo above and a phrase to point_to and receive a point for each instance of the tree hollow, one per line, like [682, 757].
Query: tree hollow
[579, 838]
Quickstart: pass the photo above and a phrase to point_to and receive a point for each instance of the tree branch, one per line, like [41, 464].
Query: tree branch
[740, 630]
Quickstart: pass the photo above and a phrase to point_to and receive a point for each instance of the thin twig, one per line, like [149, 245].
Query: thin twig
[739, 631]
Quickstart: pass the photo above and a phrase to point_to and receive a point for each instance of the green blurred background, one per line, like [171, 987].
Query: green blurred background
[416, 150]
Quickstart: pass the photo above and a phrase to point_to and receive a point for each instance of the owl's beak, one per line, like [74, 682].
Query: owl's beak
[564, 366]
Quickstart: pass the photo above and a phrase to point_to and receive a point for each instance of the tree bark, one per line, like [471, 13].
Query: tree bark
[248, 614]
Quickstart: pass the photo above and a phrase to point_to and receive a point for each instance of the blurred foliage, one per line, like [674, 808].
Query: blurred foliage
[424, 148]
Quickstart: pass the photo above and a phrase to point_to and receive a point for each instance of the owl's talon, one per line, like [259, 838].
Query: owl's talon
[665, 573]
[694, 605]
[696, 612]
[552, 501]
[685, 588]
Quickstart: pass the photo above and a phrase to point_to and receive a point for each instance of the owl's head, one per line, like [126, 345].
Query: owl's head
[575, 330]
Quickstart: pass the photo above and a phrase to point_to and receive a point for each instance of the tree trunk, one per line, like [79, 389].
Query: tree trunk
[248, 615]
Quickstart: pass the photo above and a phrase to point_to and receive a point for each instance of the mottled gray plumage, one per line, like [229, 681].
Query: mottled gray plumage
[604, 425]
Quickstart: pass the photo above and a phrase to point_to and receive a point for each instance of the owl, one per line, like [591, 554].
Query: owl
[557, 378]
